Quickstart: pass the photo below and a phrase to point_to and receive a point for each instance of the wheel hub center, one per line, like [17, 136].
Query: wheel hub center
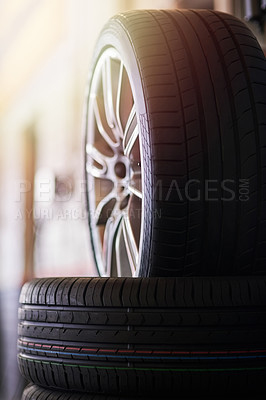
[120, 169]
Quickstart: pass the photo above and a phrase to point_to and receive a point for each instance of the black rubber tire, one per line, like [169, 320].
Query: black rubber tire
[145, 336]
[200, 79]
[34, 392]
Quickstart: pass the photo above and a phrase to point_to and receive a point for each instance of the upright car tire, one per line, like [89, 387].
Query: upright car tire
[145, 336]
[175, 146]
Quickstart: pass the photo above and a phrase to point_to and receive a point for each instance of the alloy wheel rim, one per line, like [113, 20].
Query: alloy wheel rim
[114, 168]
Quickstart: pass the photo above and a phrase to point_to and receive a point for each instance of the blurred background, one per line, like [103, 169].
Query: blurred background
[45, 51]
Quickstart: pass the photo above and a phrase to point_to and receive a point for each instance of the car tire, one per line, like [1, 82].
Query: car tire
[144, 336]
[175, 146]
[34, 392]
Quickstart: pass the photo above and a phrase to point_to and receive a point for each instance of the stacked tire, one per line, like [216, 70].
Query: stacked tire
[176, 99]
[34, 392]
[145, 336]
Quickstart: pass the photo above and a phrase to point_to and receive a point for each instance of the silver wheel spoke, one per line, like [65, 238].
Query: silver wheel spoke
[118, 251]
[108, 93]
[118, 97]
[131, 247]
[135, 184]
[102, 205]
[131, 132]
[108, 97]
[109, 238]
[135, 191]
[100, 127]
[95, 155]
